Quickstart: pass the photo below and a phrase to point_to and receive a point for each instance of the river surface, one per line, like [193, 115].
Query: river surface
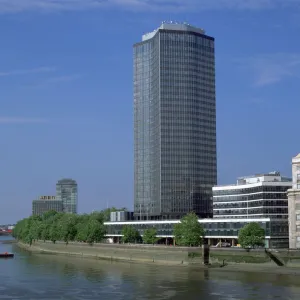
[31, 277]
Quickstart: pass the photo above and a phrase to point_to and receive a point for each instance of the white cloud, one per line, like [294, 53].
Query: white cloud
[27, 71]
[20, 120]
[44, 82]
[272, 68]
[63, 78]
[7, 6]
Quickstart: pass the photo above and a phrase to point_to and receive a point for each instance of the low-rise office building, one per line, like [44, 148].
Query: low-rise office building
[46, 203]
[260, 198]
[294, 205]
[216, 230]
[256, 197]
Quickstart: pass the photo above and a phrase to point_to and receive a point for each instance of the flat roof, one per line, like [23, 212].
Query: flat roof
[250, 185]
[173, 25]
[243, 220]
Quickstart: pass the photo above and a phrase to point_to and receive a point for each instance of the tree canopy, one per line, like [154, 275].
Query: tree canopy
[65, 227]
[251, 236]
[130, 234]
[189, 232]
[150, 236]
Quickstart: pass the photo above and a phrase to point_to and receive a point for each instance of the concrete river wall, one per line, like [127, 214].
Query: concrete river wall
[151, 254]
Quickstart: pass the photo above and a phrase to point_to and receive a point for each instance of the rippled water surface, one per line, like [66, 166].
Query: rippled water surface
[29, 276]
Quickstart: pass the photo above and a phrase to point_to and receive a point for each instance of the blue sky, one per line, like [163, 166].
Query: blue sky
[66, 92]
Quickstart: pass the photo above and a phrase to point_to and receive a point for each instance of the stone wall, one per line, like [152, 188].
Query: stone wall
[293, 208]
[237, 255]
[151, 254]
[134, 253]
[290, 258]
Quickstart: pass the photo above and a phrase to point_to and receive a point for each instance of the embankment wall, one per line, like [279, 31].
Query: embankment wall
[150, 254]
[290, 258]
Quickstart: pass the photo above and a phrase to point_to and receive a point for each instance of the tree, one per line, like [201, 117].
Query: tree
[68, 227]
[45, 232]
[54, 233]
[65, 227]
[49, 214]
[95, 231]
[189, 232]
[251, 236]
[130, 234]
[19, 229]
[150, 236]
[82, 232]
[34, 230]
[98, 216]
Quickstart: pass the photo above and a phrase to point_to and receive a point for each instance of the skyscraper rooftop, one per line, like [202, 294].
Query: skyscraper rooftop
[173, 26]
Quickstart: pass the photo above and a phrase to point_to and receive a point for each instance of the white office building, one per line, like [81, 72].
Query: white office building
[257, 197]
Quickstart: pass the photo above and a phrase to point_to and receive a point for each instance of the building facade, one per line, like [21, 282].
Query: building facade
[216, 230]
[67, 192]
[294, 205]
[175, 165]
[258, 196]
[46, 203]
[121, 216]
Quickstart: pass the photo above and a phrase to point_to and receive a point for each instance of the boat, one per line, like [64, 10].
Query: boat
[6, 255]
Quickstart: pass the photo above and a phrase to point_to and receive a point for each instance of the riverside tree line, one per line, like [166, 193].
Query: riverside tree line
[90, 228]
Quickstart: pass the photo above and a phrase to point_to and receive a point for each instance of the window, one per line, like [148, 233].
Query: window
[298, 186]
[298, 217]
[297, 206]
[298, 238]
[298, 228]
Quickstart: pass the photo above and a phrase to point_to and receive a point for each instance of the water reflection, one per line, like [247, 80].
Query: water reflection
[32, 276]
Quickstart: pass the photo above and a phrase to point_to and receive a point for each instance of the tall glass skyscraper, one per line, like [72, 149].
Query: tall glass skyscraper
[175, 165]
[66, 191]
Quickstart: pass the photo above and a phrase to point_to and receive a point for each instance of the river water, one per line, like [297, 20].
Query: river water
[31, 276]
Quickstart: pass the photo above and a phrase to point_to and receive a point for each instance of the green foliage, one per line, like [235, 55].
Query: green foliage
[49, 214]
[68, 228]
[251, 236]
[95, 231]
[65, 227]
[189, 232]
[150, 236]
[54, 232]
[130, 235]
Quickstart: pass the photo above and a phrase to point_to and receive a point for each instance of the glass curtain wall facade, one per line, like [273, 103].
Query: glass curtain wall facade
[276, 232]
[67, 192]
[174, 124]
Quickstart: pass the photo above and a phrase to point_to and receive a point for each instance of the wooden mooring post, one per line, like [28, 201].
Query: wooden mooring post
[205, 253]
